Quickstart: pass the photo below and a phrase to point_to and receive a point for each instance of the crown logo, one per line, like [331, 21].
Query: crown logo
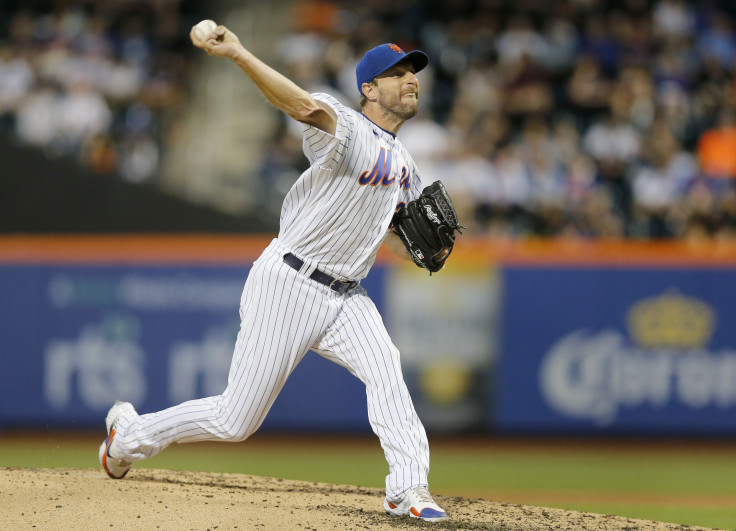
[671, 320]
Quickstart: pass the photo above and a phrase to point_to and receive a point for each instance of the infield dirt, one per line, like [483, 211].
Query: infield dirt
[66, 498]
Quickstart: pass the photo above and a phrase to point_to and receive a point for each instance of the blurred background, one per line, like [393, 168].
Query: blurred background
[590, 118]
[589, 146]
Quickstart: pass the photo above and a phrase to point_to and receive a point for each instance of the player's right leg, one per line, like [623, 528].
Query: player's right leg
[358, 340]
[282, 313]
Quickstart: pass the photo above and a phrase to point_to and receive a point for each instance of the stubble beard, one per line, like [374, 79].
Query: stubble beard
[405, 111]
[399, 109]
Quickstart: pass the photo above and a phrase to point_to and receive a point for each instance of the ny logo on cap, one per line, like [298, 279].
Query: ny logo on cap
[395, 48]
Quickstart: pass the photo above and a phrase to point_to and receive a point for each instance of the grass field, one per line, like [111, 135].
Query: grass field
[689, 482]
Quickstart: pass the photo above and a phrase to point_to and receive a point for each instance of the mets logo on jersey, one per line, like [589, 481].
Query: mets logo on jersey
[395, 48]
[381, 172]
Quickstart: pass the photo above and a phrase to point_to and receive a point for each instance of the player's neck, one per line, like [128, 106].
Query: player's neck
[386, 121]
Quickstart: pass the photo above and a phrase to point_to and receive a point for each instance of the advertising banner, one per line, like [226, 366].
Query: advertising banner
[625, 350]
[446, 330]
[76, 338]
[536, 337]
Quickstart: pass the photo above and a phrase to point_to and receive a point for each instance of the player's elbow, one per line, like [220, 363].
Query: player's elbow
[304, 107]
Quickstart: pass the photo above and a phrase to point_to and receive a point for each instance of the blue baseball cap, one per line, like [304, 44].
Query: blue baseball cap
[379, 59]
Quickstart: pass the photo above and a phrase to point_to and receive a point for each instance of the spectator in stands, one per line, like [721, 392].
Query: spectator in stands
[673, 20]
[83, 113]
[37, 117]
[659, 184]
[717, 147]
[16, 80]
[718, 41]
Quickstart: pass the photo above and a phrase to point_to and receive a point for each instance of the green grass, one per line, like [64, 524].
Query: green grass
[720, 518]
[600, 471]
[681, 487]
[689, 484]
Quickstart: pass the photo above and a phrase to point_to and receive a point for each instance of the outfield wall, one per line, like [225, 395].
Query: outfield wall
[541, 336]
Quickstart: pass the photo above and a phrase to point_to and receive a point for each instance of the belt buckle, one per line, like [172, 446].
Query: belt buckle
[343, 285]
[338, 285]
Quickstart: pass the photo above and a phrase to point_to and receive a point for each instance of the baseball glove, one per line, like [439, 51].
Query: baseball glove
[427, 227]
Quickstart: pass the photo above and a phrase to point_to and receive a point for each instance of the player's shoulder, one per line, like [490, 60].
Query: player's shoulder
[340, 107]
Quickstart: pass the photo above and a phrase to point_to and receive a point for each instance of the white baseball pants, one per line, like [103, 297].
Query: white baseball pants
[284, 314]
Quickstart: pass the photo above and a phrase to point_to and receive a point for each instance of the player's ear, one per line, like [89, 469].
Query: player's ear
[369, 91]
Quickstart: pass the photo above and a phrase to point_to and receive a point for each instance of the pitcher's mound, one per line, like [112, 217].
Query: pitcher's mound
[172, 500]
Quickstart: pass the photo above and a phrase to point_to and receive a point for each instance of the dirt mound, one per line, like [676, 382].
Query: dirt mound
[172, 500]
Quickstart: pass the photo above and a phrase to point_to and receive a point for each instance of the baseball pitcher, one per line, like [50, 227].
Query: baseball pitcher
[362, 190]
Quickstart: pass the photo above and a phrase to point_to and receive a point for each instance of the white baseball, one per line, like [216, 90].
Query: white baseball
[202, 30]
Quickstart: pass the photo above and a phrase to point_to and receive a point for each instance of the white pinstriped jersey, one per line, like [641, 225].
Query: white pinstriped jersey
[336, 215]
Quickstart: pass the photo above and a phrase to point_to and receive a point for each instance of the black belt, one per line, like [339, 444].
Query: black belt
[340, 286]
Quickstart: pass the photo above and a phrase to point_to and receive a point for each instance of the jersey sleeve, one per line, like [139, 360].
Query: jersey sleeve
[320, 146]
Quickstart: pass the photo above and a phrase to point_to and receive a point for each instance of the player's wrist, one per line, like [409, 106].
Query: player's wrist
[239, 55]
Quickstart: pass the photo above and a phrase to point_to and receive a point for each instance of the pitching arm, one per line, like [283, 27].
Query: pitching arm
[283, 93]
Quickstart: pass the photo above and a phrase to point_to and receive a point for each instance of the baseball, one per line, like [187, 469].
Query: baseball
[202, 30]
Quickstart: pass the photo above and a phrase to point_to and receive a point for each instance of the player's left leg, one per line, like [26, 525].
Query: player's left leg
[283, 313]
[358, 340]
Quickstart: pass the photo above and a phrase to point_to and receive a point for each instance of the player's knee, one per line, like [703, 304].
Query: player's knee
[237, 433]
[233, 427]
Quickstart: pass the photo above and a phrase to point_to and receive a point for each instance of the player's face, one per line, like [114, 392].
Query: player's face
[398, 90]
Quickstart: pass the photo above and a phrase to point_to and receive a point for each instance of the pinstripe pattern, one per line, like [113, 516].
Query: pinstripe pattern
[330, 221]
[283, 315]
[358, 340]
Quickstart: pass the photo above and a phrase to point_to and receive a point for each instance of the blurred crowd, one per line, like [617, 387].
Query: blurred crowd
[590, 118]
[587, 118]
[101, 81]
